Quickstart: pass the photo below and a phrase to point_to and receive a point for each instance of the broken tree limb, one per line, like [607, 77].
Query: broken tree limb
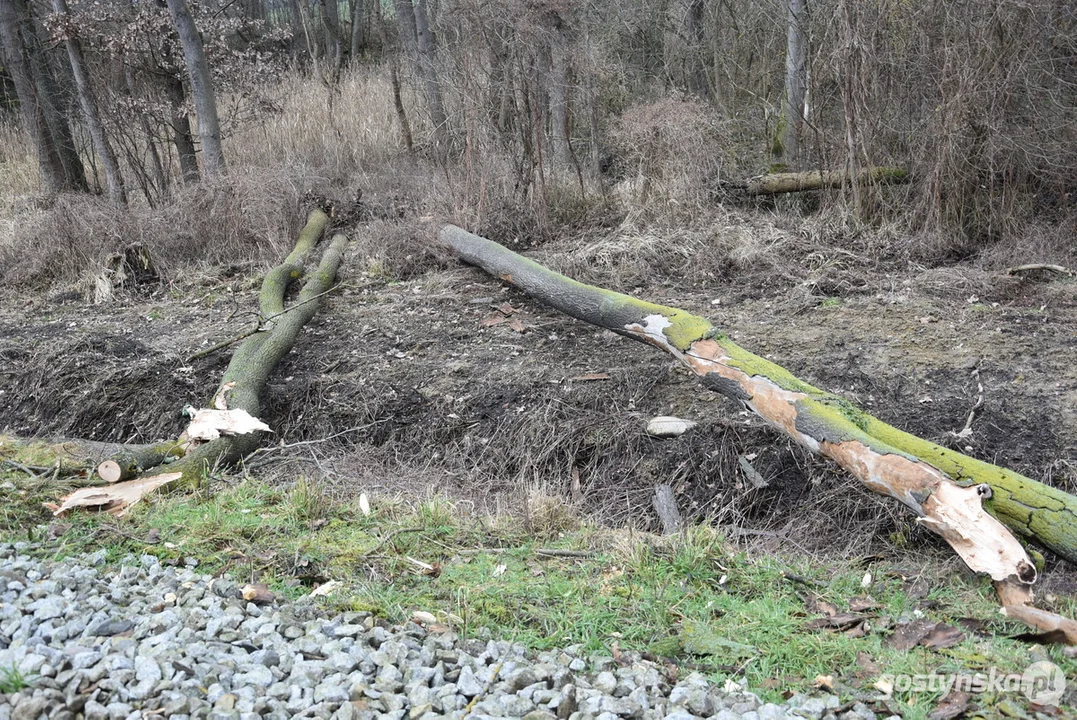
[256, 359]
[84, 458]
[1039, 266]
[777, 183]
[129, 461]
[888, 461]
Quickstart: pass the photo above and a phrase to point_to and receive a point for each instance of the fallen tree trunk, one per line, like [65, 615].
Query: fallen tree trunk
[945, 489]
[111, 466]
[66, 457]
[776, 183]
[255, 360]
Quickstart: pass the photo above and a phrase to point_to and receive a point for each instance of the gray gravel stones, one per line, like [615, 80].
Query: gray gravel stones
[150, 641]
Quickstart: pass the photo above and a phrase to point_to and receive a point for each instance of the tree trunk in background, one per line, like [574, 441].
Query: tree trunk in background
[205, 101]
[181, 129]
[560, 149]
[135, 161]
[394, 78]
[61, 168]
[90, 113]
[358, 37]
[334, 37]
[696, 71]
[429, 70]
[794, 112]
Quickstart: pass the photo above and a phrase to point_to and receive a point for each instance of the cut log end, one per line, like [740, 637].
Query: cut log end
[112, 472]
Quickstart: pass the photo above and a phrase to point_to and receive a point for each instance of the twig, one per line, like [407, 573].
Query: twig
[979, 401]
[801, 580]
[225, 343]
[553, 552]
[1039, 266]
[258, 325]
[35, 473]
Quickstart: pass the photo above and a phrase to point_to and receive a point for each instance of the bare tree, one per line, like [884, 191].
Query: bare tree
[358, 36]
[334, 43]
[560, 148]
[205, 101]
[794, 107]
[413, 24]
[88, 101]
[39, 98]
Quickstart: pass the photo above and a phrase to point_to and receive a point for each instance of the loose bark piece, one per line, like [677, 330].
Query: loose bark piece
[665, 504]
[666, 426]
[257, 593]
[944, 488]
[114, 499]
[210, 424]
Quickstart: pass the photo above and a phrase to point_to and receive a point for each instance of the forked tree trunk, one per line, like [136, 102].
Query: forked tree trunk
[256, 359]
[946, 490]
[205, 99]
[88, 101]
[39, 99]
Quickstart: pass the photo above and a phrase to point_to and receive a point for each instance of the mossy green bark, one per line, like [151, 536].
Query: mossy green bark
[81, 457]
[1038, 512]
[255, 360]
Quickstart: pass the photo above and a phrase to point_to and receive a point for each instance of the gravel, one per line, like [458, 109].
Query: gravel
[148, 640]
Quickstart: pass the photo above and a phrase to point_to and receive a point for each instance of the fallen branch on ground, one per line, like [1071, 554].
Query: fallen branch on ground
[946, 489]
[1039, 266]
[238, 395]
[778, 183]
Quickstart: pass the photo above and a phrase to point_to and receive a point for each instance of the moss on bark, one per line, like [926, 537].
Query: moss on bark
[1041, 513]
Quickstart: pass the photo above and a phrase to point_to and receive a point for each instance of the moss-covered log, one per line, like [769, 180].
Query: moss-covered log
[945, 489]
[256, 359]
[776, 183]
[82, 458]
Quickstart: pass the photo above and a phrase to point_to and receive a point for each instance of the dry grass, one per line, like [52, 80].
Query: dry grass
[337, 135]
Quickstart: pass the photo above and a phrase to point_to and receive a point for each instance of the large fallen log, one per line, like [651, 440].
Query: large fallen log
[946, 490]
[777, 183]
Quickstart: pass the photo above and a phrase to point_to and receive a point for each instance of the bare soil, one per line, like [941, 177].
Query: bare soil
[423, 385]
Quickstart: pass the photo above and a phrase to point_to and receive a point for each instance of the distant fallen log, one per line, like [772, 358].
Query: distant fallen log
[945, 489]
[776, 183]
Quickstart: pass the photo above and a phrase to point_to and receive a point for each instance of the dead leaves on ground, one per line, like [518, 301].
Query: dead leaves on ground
[503, 316]
[861, 618]
[926, 633]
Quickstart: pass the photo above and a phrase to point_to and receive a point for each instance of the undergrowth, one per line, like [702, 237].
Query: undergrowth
[554, 586]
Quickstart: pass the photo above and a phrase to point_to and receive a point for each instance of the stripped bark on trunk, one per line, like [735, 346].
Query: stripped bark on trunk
[949, 492]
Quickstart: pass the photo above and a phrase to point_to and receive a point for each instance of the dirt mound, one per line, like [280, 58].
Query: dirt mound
[447, 380]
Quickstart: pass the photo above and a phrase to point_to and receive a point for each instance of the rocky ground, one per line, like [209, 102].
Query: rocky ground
[148, 640]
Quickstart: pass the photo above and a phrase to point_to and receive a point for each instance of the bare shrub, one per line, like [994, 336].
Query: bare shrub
[244, 219]
[671, 151]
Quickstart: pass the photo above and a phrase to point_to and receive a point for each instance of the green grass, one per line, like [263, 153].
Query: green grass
[635, 591]
[12, 680]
